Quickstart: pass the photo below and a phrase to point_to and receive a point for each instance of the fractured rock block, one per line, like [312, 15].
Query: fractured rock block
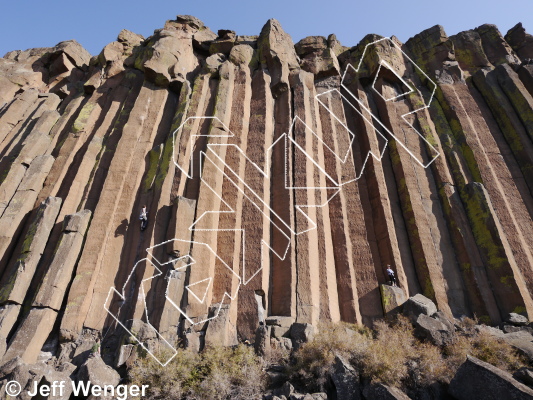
[94, 370]
[31, 335]
[17, 278]
[276, 50]
[520, 41]
[392, 297]
[57, 278]
[418, 304]
[345, 379]
[433, 330]
[223, 43]
[220, 330]
[476, 379]
[301, 333]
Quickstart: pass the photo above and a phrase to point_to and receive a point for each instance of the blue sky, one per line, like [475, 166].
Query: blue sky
[94, 23]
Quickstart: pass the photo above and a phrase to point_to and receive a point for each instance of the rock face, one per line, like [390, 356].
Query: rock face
[476, 379]
[290, 221]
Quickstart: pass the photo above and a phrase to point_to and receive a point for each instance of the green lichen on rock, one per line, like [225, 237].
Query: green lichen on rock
[83, 116]
[153, 163]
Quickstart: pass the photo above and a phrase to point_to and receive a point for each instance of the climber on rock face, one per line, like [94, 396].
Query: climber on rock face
[144, 218]
[392, 278]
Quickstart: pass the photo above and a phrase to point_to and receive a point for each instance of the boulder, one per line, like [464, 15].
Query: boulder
[279, 321]
[286, 390]
[126, 351]
[311, 44]
[280, 326]
[522, 341]
[345, 379]
[300, 396]
[301, 333]
[520, 41]
[130, 38]
[418, 304]
[191, 21]
[433, 330]
[221, 331]
[242, 54]
[94, 370]
[262, 340]
[516, 319]
[213, 63]
[223, 43]
[75, 52]
[27, 374]
[202, 39]
[476, 379]
[441, 317]
[392, 297]
[496, 48]
[276, 51]
[141, 330]
[511, 328]
[379, 391]
[170, 58]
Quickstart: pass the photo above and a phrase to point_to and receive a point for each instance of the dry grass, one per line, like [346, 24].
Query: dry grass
[218, 373]
[392, 355]
[386, 358]
[389, 353]
[487, 348]
[229, 374]
[170, 382]
[313, 362]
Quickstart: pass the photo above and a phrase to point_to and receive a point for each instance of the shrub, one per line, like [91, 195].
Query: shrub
[217, 373]
[385, 360]
[170, 382]
[429, 366]
[313, 362]
[487, 348]
[228, 373]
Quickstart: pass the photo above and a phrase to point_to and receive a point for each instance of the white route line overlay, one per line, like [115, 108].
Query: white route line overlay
[288, 141]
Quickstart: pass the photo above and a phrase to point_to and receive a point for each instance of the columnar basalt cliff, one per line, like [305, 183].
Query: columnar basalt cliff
[273, 206]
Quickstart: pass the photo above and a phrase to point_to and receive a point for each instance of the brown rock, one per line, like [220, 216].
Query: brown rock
[95, 371]
[496, 48]
[203, 38]
[276, 50]
[31, 335]
[223, 43]
[311, 44]
[37, 325]
[242, 54]
[520, 41]
[17, 277]
[433, 330]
